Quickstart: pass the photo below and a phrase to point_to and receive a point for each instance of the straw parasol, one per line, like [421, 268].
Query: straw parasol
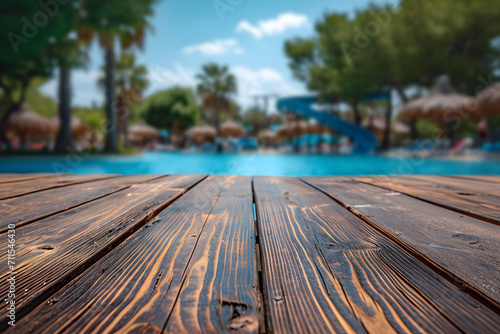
[141, 132]
[377, 126]
[316, 128]
[295, 128]
[284, 131]
[443, 102]
[28, 124]
[489, 100]
[202, 132]
[214, 102]
[231, 129]
[266, 136]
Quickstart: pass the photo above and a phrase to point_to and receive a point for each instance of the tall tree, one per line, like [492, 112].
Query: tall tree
[384, 47]
[125, 20]
[68, 54]
[130, 83]
[216, 85]
[25, 50]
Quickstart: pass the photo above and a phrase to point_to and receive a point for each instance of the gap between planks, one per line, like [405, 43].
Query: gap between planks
[166, 252]
[451, 277]
[397, 187]
[45, 196]
[33, 298]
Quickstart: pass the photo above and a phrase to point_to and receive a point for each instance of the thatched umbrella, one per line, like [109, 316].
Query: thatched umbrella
[316, 128]
[441, 104]
[284, 130]
[141, 132]
[231, 129]
[28, 124]
[266, 136]
[202, 132]
[489, 100]
[293, 129]
[377, 126]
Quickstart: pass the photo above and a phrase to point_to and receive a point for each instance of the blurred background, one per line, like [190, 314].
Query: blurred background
[250, 87]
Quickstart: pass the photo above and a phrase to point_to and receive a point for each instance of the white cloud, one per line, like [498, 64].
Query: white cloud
[251, 82]
[261, 81]
[217, 47]
[278, 25]
[161, 78]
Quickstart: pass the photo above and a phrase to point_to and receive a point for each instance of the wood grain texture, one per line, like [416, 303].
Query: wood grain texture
[52, 251]
[220, 290]
[13, 189]
[470, 187]
[474, 204]
[39, 205]
[5, 178]
[201, 242]
[325, 270]
[480, 178]
[458, 244]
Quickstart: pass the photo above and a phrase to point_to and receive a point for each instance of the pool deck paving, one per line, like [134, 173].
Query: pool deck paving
[212, 253]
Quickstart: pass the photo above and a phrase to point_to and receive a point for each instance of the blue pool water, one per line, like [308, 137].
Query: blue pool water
[246, 164]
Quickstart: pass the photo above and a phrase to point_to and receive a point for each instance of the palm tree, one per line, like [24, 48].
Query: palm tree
[125, 20]
[130, 82]
[215, 87]
[69, 55]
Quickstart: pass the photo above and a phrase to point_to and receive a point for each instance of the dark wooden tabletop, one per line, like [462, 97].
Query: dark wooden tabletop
[198, 253]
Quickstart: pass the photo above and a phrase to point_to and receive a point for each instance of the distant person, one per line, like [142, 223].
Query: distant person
[483, 130]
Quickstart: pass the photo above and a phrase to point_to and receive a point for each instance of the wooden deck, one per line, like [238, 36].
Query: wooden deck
[198, 253]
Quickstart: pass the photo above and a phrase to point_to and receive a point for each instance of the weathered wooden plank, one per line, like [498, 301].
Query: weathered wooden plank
[13, 189]
[464, 247]
[6, 177]
[52, 251]
[326, 270]
[39, 205]
[476, 205]
[470, 187]
[220, 291]
[203, 236]
[481, 178]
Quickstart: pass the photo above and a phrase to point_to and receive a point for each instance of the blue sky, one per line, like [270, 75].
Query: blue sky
[248, 36]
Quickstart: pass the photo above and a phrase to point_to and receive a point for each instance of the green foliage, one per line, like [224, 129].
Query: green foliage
[387, 47]
[494, 122]
[255, 117]
[163, 109]
[125, 19]
[216, 80]
[427, 130]
[30, 34]
[216, 85]
[41, 104]
[130, 78]
[93, 116]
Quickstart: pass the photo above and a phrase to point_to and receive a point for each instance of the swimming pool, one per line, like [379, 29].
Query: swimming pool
[246, 164]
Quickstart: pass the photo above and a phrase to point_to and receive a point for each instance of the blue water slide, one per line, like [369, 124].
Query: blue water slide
[364, 140]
